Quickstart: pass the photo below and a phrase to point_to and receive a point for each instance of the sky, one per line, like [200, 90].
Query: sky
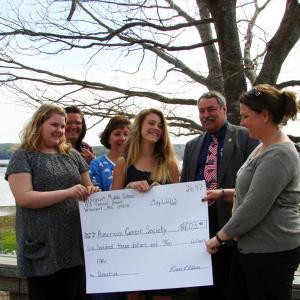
[14, 115]
[17, 116]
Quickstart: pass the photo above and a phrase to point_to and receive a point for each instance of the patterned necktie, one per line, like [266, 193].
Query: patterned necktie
[211, 165]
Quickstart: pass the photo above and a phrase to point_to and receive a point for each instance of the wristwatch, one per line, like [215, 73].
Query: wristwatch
[219, 239]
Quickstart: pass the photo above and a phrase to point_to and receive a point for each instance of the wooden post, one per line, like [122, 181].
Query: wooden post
[9, 281]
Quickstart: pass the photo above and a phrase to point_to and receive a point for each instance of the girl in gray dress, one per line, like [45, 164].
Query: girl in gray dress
[47, 178]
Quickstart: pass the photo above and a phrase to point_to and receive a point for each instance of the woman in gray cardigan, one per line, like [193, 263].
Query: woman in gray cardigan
[265, 221]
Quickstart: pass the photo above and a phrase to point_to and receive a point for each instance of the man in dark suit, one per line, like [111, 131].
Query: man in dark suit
[232, 148]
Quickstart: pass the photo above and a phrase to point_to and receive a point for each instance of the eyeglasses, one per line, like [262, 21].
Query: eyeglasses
[254, 92]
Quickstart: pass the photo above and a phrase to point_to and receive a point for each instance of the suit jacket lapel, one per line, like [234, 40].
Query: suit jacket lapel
[229, 142]
[195, 155]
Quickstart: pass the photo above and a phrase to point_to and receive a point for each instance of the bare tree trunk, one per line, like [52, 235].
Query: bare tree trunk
[224, 16]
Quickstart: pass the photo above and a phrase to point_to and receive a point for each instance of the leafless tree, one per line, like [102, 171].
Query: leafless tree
[111, 57]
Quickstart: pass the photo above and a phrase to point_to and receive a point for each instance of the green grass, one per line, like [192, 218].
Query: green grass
[8, 241]
[7, 234]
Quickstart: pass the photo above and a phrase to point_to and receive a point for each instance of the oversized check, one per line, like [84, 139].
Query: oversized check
[143, 241]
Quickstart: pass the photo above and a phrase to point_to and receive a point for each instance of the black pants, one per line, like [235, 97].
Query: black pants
[263, 276]
[221, 262]
[66, 284]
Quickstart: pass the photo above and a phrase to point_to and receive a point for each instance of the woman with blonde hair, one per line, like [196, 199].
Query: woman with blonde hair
[47, 178]
[148, 160]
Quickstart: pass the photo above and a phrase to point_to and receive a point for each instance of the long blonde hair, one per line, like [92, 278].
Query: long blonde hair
[31, 134]
[164, 155]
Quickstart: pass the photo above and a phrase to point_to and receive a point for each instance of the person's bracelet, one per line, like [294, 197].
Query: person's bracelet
[219, 239]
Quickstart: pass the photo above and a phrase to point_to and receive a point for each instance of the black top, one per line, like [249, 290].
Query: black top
[133, 174]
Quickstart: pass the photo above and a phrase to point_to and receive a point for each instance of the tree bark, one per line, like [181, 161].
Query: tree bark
[281, 44]
[224, 16]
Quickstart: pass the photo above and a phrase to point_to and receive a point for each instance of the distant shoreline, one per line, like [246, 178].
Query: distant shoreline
[3, 164]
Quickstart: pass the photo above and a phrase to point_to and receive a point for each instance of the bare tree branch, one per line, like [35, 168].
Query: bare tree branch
[110, 56]
[250, 67]
[288, 83]
[281, 44]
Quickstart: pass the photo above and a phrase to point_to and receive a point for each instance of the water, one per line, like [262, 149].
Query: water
[6, 197]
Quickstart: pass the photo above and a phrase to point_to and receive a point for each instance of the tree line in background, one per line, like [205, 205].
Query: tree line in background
[6, 150]
[111, 57]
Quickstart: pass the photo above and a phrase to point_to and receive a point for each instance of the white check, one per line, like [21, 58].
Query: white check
[144, 241]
